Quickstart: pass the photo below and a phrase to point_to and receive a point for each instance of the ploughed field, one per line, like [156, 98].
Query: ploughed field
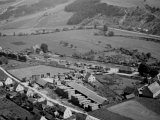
[134, 110]
[82, 40]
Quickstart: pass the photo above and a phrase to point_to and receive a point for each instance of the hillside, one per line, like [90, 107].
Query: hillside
[144, 17]
[25, 9]
[89, 8]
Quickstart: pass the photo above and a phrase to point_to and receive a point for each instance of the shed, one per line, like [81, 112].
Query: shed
[125, 69]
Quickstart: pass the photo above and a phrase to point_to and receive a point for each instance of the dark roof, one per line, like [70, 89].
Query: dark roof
[41, 82]
[125, 68]
[87, 76]
[87, 92]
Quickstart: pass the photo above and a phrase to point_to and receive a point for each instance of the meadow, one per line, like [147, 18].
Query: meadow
[132, 3]
[82, 40]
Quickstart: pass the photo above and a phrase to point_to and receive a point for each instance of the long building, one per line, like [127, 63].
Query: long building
[87, 92]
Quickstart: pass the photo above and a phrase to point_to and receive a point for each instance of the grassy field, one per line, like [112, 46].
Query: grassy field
[134, 110]
[9, 106]
[52, 17]
[105, 114]
[84, 40]
[132, 3]
[36, 70]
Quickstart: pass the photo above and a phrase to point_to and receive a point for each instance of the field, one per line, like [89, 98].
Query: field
[84, 40]
[36, 70]
[134, 110]
[132, 3]
[8, 106]
[51, 17]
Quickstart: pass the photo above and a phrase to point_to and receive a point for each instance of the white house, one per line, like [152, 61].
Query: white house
[30, 93]
[49, 103]
[19, 88]
[67, 113]
[8, 81]
[1, 84]
[43, 118]
[90, 78]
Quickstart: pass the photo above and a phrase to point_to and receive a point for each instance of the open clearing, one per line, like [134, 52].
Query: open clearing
[84, 40]
[36, 70]
[134, 110]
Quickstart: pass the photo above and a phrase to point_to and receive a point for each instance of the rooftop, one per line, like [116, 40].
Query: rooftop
[90, 94]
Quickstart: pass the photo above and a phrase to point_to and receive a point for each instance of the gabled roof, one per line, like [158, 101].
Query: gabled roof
[87, 76]
[90, 94]
[154, 87]
[125, 68]
[41, 82]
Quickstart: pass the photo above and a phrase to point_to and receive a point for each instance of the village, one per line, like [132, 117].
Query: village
[55, 88]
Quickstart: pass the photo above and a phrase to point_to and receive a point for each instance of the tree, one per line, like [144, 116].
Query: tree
[143, 69]
[105, 28]
[148, 55]
[4, 60]
[110, 33]
[153, 72]
[44, 47]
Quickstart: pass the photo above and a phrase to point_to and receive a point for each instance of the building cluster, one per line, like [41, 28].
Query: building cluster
[35, 103]
[81, 96]
[12, 55]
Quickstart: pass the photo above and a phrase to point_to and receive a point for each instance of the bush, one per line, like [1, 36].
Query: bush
[44, 47]
[110, 33]
[3, 60]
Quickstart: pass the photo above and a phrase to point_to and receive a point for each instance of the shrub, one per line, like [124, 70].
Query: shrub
[110, 33]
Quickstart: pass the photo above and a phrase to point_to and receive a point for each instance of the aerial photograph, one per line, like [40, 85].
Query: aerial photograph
[79, 59]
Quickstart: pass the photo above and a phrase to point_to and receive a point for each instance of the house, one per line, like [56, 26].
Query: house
[152, 91]
[8, 82]
[20, 88]
[30, 93]
[90, 78]
[43, 118]
[125, 69]
[41, 83]
[67, 113]
[91, 118]
[1, 84]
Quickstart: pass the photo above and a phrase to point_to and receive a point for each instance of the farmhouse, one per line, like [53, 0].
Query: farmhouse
[8, 82]
[42, 83]
[19, 88]
[125, 69]
[90, 94]
[152, 91]
[90, 78]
